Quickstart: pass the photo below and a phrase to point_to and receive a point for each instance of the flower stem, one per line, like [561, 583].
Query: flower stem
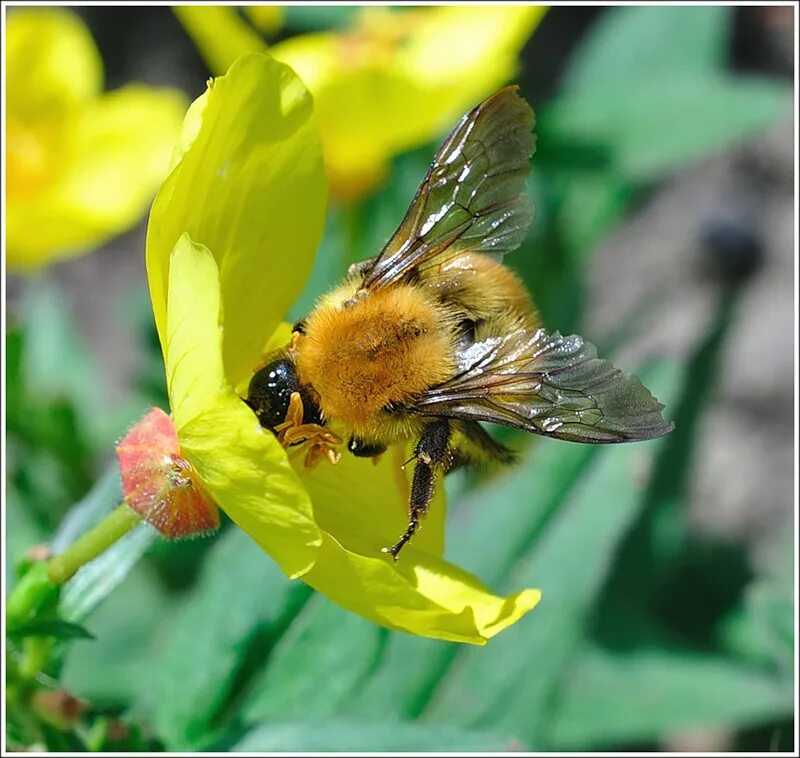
[118, 523]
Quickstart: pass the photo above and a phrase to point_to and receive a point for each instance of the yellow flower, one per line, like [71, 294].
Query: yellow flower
[81, 166]
[390, 82]
[268, 19]
[231, 239]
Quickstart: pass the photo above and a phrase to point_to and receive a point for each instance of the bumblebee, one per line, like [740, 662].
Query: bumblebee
[435, 335]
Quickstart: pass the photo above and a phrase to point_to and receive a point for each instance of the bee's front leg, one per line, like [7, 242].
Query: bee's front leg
[432, 451]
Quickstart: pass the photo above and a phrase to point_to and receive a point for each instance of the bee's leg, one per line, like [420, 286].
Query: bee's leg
[432, 452]
[297, 428]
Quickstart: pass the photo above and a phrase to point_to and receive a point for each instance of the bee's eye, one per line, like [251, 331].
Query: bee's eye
[271, 390]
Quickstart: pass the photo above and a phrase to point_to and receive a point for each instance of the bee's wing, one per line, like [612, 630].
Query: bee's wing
[473, 196]
[550, 385]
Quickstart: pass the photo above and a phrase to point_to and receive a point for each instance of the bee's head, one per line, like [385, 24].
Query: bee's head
[271, 389]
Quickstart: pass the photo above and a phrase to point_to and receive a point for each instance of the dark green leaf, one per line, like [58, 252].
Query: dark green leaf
[641, 695]
[217, 638]
[335, 736]
[629, 42]
[50, 627]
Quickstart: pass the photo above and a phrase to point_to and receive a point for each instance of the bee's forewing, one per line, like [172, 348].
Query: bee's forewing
[473, 196]
[548, 384]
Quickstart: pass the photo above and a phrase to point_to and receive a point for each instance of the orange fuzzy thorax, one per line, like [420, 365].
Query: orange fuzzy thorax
[383, 348]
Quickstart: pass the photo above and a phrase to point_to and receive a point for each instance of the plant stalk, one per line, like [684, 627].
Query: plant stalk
[118, 523]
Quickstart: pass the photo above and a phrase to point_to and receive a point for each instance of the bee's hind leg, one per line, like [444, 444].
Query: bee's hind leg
[432, 452]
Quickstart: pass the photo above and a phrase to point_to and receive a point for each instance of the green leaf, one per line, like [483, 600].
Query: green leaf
[340, 649]
[611, 698]
[51, 627]
[128, 627]
[629, 42]
[656, 124]
[336, 736]
[512, 681]
[217, 638]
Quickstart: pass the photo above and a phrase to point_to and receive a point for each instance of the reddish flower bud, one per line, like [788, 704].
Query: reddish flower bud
[160, 484]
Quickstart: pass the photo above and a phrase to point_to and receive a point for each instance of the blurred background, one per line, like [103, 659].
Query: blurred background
[663, 180]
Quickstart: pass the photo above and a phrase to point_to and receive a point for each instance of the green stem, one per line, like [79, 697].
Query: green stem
[118, 523]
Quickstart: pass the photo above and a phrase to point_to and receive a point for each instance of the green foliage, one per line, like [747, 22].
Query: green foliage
[127, 627]
[348, 736]
[692, 115]
[617, 698]
[650, 41]
[207, 653]
[643, 628]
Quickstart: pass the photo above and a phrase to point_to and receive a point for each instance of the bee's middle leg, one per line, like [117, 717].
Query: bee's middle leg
[432, 452]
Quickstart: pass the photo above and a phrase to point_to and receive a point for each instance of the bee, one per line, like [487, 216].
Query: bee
[435, 334]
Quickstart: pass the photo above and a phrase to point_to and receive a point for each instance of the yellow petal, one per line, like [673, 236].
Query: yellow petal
[467, 51]
[219, 33]
[241, 465]
[112, 153]
[427, 597]
[52, 64]
[251, 187]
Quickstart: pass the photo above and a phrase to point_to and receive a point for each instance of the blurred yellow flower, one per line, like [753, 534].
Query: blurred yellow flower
[231, 239]
[81, 166]
[392, 81]
[268, 19]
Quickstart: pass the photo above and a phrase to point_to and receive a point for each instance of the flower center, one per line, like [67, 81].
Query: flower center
[375, 38]
[27, 159]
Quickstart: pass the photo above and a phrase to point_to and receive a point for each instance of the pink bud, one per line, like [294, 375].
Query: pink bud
[160, 484]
